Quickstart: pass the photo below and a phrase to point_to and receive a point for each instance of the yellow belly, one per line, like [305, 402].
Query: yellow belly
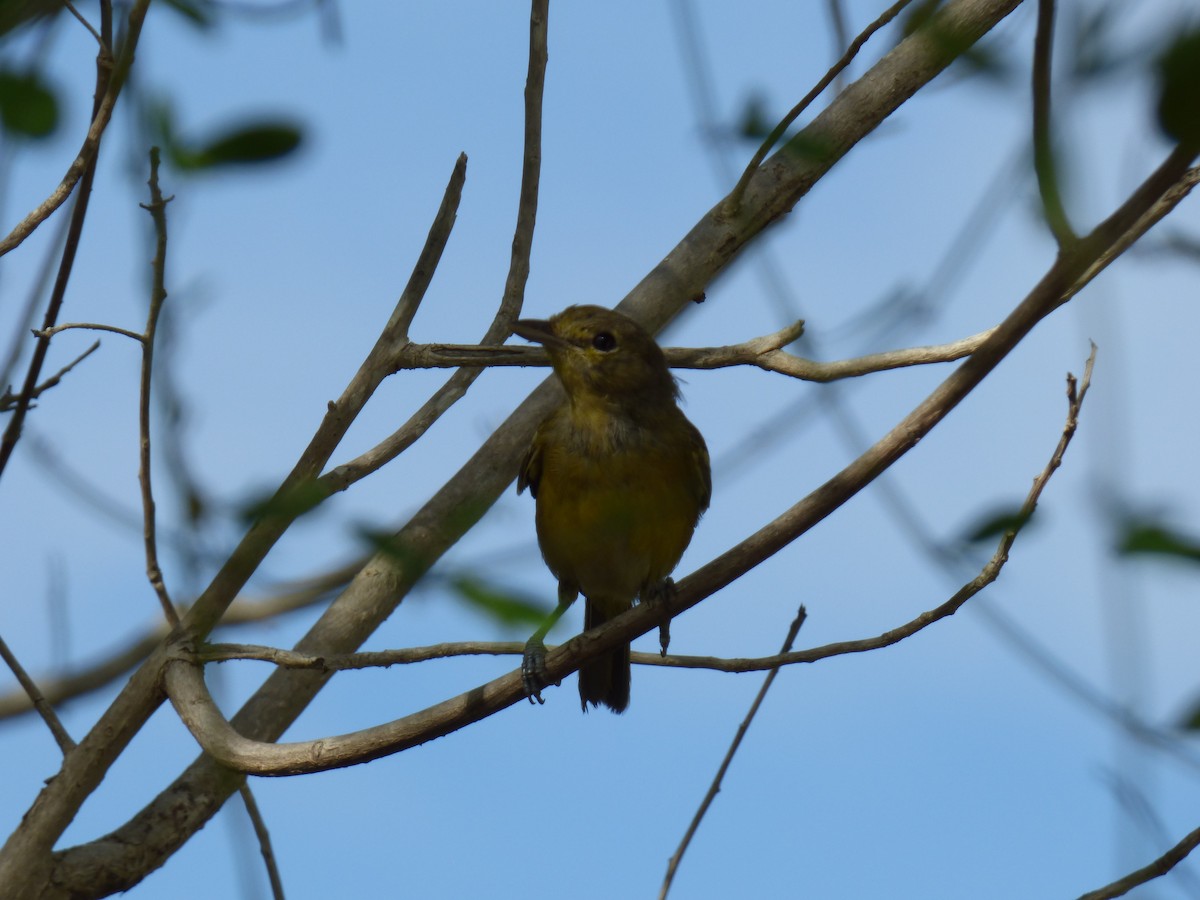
[615, 525]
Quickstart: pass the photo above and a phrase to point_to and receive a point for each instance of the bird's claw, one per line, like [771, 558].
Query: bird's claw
[533, 670]
[661, 593]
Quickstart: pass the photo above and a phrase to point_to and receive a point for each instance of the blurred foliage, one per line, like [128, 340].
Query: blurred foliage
[997, 522]
[1093, 43]
[15, 13]
[505, 607]
[1179, 89]
[1190, 721]
[298, 499]
[200, 13]
[260, 141]
[1142, 536]
[28, 107]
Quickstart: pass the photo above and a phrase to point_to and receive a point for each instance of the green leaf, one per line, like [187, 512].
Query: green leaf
[246, 145]
[198, 12]
[1179, 89]
[1190, 721]
[1144, 537]
[386, 542]
[27, 106]
[755, 123]
[998, 522]
[297, 500]
[504, 606]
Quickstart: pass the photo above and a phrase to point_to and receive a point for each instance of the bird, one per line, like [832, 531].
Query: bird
[620, 478]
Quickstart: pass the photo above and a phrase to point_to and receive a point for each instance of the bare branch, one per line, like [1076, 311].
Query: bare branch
[715, 787]
[264, 840]
[733, 203]
[765, 352]
[8, 400]
[86, 24]
[108, 89]
[158, 295]
[1159, 867]
[65, 742]
[90, 326]
[76, 683]
[531, 168]
[109, 78]
[514, 287]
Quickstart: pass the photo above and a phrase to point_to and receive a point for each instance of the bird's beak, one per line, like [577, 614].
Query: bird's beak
[539, 331]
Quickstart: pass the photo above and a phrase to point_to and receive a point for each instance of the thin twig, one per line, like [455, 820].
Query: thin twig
[715, 787]
[157, 207]
[41, 282]
[1159, 867]
[264, 840]
[765, 352]
[514, 286]
[1044, 162]
[531, 168]
[65, 742]
[86, 24]
[90, 326]
[108, 80]
[841, 33]
[734, 202]
[81, 681]
[8, 399]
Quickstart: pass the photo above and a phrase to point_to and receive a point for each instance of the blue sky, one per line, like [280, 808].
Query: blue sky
[947, 766]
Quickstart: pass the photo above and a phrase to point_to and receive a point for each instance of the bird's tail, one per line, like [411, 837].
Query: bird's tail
[605, 680]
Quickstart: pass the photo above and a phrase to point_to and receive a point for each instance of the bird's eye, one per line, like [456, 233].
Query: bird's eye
[604, 342]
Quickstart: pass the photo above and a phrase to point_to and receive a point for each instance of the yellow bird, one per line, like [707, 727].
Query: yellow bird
[621, 478]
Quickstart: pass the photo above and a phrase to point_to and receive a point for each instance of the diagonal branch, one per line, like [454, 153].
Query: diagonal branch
[1159, 867]
[735, 196]
[65, 742]
[715, 787]
[111, 79]
[264, 840]
[7, 400]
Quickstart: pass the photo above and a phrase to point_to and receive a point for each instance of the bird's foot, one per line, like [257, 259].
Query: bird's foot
[660, 594]
[533, 670]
